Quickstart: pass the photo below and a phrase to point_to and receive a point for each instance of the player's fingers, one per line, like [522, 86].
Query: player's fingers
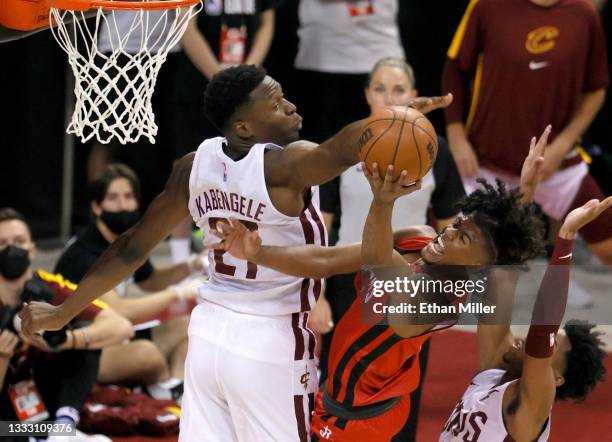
[388, 183]
[543, 141]
[223, 227]
[532, 145]
[219, 246]
[375, 177]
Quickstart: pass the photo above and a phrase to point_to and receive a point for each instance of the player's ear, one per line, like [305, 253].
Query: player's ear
[242, 129]
[559, 379]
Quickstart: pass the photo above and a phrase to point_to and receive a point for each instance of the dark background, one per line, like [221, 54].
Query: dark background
[32, 91]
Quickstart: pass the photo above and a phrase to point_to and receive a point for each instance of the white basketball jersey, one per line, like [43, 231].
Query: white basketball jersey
[479, 414]
[220, 187]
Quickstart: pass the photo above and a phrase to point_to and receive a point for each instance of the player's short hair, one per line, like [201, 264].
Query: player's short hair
[393, 62]
[584, 362]
[516, 230]
[228, 90]
[99, 187]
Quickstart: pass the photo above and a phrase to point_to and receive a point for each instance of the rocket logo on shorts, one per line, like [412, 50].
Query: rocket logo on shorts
[325, 432]
[305, 378]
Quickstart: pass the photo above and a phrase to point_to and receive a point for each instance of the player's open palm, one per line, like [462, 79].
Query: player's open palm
[581, 216]
[427, 104]
[236, 239]
[386, 191]
[532, 165]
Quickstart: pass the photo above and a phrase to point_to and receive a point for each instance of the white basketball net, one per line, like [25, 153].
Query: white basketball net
[113, 89]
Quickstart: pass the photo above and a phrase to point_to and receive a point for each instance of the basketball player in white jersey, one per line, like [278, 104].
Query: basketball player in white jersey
[250, 372]
[511, 397]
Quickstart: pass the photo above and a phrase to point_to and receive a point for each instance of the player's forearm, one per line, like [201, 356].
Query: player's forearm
[310, 261]
[198, 50]
[4, 363]
[117, 263]
[377, 244]
[263, 39]
[583, 117]
[456, 82]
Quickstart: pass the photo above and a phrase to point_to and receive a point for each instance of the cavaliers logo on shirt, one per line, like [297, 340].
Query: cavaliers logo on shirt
[541, 39]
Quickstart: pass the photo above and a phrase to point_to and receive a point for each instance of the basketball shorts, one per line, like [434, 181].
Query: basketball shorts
[247, 378]
[328, 428]
[564, 191]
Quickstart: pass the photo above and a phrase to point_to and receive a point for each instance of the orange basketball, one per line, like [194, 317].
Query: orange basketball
[403, 137]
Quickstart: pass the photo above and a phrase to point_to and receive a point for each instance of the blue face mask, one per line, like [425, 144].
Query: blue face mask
[14, 261]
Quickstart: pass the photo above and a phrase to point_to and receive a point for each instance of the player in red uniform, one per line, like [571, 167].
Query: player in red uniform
[374, 367]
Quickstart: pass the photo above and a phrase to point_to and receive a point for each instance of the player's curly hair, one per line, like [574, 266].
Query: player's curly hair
[228, 90]
[516, 230]
[584, 362]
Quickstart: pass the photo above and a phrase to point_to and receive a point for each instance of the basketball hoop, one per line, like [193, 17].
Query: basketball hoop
[113, 90]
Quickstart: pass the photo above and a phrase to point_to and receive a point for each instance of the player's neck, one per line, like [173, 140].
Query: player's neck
[236, 148]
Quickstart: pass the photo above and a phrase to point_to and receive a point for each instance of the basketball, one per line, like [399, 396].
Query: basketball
[403, 137]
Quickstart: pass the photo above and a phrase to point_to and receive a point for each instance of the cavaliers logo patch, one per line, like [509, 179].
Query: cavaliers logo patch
[541, 39]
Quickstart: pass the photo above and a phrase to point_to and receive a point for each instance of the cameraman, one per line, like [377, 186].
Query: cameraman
[62, 366]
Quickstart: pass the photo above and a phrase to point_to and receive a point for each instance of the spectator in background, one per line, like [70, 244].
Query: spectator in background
[225, 33]
[340, 41]
[391, 82]
[63, 368]
[541, 62]
[157, 355]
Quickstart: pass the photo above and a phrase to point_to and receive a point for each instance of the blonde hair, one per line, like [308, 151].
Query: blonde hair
[394, 63]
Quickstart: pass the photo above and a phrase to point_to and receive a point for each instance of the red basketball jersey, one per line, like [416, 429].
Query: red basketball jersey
[370, 363]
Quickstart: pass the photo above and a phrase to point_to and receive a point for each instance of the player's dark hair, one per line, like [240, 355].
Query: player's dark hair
[228, 90]
[99, 186]
[516, 230]
[584, 362]
[10, 214]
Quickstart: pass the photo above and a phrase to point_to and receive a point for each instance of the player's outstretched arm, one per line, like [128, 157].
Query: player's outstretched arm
[123, 257]
[538, 383]
[309, 261]
[532, 165]
[305, 164]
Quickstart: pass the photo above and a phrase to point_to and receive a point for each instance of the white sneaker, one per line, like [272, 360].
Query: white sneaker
[578, 297]
[80, 437]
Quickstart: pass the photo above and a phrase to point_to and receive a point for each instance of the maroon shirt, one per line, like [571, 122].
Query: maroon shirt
[515, 67]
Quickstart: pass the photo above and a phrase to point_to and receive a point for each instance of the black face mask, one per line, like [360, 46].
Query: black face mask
[14, 261]
[119, 222]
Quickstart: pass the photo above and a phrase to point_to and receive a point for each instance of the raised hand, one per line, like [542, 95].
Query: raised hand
[581, 216]
[236, 239]
[8, 342]
[428, 104]
[387, 191]
[532, 165]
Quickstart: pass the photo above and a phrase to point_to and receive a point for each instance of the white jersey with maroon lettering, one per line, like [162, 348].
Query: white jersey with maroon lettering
[478, 417]
[219, 188]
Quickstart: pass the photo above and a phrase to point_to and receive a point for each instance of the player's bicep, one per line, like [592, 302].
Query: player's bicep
[310, 164]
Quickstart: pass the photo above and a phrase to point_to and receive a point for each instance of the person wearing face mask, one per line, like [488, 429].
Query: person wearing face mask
[157, 355]
[60, 368]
